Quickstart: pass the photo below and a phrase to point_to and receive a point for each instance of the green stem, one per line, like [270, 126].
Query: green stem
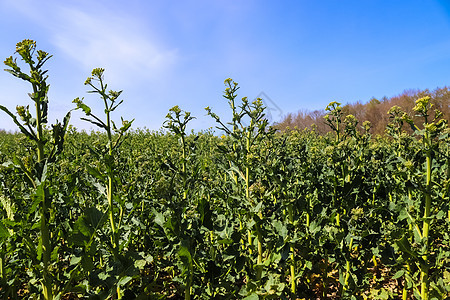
[426, 227]
[448, 177]
[405, 286]
[40, 138]
[375, 267]
[292, 267]
[347, 276]
[247, 193]
[405, 292]
[241, 227]
[347, 267]
[211, 240]
[190, 279]
[111, 213]
[183, 144]
[260, 257]
[240, 230]
[187, 290]
[45, 233]
[2, 265]
[250, 241]
[337, 132]
[110, 190]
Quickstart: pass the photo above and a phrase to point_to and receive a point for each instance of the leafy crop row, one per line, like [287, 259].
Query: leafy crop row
[253, 214]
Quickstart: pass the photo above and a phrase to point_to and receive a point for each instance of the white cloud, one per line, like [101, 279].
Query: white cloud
[113, 42]
[99, 37]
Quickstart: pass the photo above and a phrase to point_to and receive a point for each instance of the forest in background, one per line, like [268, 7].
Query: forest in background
[375, 111]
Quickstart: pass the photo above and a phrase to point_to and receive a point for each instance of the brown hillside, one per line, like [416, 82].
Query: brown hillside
[374, 111]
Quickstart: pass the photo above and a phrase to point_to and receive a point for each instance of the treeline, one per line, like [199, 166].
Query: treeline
[375, 111]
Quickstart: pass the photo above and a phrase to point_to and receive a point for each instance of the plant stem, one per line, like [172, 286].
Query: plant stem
[347, 267]
[260, 251]
[375, 267]
[110, 210]
[2, 265]
[183, 148]
[291, 249]
[405, 286]
[426, 226]
[187, 289]
[448, 177]
[45, 233]
[110, 179]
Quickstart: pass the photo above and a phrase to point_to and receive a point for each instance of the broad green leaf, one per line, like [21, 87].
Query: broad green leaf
[75, 260]
[253, 296]
[96, 173]
[398, 274]
[124, 280]
[94, 218]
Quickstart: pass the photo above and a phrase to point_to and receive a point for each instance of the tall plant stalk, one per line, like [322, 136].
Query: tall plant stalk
[115, 137]
[177, 121]
[246, 138]
[426, 224]
[292, 251]
[33, 129]
[429, 132]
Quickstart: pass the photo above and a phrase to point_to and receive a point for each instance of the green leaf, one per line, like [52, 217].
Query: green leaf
[80, 227]
[55, 253]
[140, 264]
[225, 241]
[90, 221]
[159, 218]
[86, 109]
[314, 227]
[257, 208]
[75, 260]
[406, 246]
[95, 172]
[253, 296]
[38, 197]
[93, 217]
[44, 172]
[99, 124]
[398, 274]
[184, 252]
[124, 280]
[281, 228]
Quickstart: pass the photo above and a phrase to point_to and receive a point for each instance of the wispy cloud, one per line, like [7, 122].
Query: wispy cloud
[112, 41]
[98, 37]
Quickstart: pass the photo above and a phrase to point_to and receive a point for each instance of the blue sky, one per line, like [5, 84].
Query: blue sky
[297, 54]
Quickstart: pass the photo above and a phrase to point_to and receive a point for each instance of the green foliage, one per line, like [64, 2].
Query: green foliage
[252, 214]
